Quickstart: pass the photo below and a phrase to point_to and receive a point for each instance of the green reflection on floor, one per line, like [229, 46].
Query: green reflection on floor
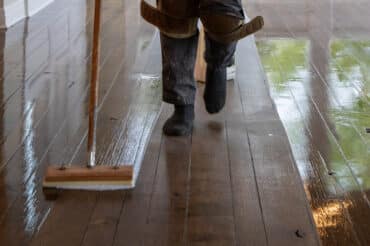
[285, 52]
[345, 147]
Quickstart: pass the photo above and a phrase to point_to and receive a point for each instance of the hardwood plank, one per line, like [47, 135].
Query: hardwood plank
[133, 218]
[42, 206]
[135, 146]
[276, 172]
[69, 210]
[240, 187]
[168, 207]
[249, 224]
[211, 217]
[112, 104]
[245, 199]
[355, 230]
[11, 170]
[102, 226]
[317, 177]
[145, 185]
[13, 140]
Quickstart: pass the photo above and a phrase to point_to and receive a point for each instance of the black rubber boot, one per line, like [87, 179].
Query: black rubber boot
[218, 57]
[178, 60]
[181, 122]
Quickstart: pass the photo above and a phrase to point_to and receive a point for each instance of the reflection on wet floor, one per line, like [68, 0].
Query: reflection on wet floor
[323, 101]
[44, 64]
[320, 82]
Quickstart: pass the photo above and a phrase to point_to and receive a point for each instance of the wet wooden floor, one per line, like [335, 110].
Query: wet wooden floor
[286, 168]
[316, 55]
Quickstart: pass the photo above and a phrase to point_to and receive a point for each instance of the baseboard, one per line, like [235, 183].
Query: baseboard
[12, 13]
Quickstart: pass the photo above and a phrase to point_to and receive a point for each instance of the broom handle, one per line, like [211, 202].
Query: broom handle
[94, 85]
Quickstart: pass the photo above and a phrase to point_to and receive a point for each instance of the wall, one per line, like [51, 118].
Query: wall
[12, 11]
[34, 6]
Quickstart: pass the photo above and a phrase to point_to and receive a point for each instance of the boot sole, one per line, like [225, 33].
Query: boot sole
[177, 134]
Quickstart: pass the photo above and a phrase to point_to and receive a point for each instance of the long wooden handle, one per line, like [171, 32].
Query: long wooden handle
[94, 83]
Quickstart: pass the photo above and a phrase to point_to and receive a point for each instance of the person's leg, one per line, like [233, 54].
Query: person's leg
[177, 21]
[218, 57]
[178, 60]
[224, 25]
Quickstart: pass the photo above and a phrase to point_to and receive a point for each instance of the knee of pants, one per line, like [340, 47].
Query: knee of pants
[221, 25]
[188, 29]
[218, 54]
[184, 9]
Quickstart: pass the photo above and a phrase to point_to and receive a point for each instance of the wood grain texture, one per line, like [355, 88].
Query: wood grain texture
[99, 173]
[324, 98]
[277, 178]
[235, 181]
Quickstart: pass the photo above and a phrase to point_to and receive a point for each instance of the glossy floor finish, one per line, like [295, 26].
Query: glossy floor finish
[316, 55]
[235, 181]
[45, 64]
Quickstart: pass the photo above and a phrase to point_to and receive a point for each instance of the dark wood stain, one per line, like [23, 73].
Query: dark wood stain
[244, 177]
[323, 122]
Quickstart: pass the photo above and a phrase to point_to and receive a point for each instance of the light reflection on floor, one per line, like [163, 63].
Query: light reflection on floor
[325, 107]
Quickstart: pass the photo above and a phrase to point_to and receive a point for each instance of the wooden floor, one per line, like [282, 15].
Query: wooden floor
[286, 162]
[316, 55]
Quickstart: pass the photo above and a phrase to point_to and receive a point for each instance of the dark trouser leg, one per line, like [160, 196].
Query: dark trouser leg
[178, 61]
[219, 17]
[218, 57]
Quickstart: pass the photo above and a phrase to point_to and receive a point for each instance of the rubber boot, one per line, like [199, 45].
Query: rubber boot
[179, 88]
[181, 122]
[218, 57]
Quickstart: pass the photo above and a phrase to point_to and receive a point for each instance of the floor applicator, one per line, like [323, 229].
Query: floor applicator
[91, 177]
